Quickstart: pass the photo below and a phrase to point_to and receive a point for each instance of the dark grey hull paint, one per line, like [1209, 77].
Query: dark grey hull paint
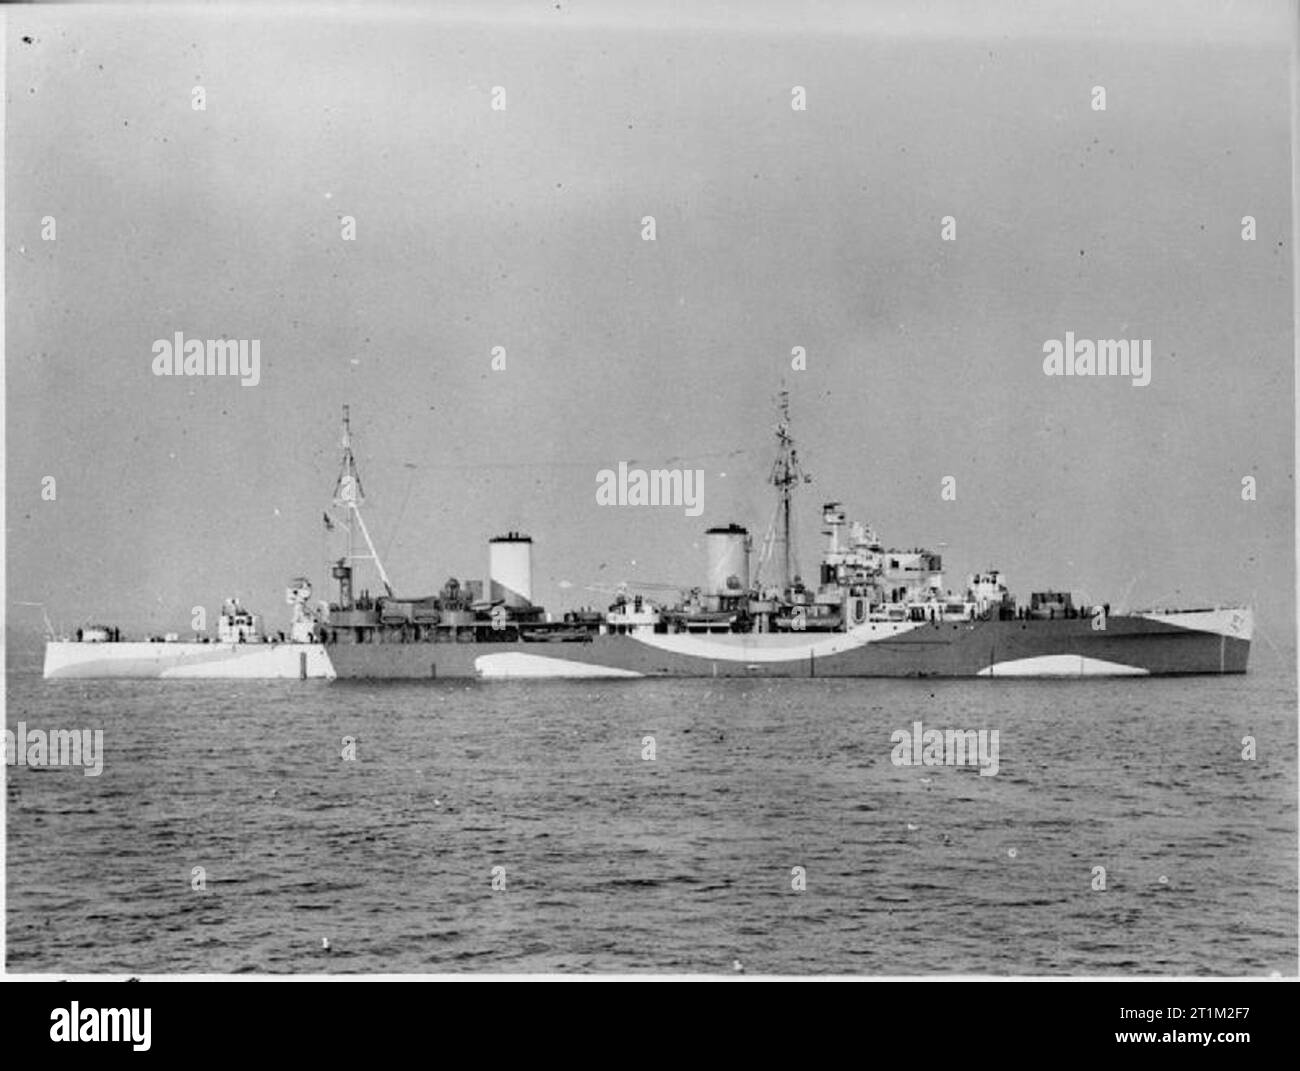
[965, 649]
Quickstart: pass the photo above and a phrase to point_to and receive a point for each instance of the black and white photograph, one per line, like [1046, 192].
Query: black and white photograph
[719, 491]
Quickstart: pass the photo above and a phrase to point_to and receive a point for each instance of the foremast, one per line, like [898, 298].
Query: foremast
[787, 473]
[349, 495]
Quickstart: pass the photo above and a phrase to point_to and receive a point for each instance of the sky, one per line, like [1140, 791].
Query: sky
[522, 228]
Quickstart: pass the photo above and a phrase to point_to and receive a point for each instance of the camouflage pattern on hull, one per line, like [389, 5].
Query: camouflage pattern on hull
[1192, 642]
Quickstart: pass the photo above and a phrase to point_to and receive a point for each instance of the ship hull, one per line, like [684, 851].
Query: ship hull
[200, 661]
[1194, 642]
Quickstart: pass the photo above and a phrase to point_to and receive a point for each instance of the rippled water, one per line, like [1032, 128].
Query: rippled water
[683, 863]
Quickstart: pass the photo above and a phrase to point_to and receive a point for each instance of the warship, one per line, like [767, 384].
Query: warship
[872, 611]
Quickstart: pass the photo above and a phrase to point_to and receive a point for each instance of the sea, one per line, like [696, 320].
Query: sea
[699, 827]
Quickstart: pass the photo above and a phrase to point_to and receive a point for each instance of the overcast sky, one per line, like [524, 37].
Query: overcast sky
[522, 228]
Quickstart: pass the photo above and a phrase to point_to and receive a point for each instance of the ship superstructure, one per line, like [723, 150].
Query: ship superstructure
[873, 610]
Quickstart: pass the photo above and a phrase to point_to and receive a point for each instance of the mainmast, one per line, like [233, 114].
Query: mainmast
[786, 474]
[349, 495]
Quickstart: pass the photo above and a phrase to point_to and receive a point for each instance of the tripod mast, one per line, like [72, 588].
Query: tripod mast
[348, 494]
[786, 474]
